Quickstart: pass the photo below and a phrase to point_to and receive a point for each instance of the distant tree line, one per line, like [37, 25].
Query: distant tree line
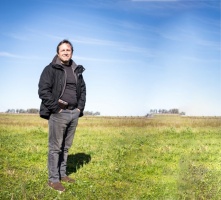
[165, 111]
[91, 113]
[30, 110]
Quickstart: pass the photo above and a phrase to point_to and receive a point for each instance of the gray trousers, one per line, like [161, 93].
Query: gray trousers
[62, 128]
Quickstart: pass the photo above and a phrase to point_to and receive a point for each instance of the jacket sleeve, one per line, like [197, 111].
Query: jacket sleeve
[45, 90]
[82, 98]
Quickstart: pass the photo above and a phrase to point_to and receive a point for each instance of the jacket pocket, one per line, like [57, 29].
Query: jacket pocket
[44, 112]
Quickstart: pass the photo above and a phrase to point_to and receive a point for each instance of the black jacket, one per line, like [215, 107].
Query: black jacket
[52, 84]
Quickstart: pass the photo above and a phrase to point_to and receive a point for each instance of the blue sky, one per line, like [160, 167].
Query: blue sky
[138, 54]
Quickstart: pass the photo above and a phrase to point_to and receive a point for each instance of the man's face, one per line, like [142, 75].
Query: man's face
[65, 53]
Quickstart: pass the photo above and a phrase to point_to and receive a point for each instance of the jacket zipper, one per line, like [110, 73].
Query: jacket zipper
[75, 76]
[65, 80]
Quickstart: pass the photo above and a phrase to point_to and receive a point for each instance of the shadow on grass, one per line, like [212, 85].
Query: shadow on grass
[76, 161]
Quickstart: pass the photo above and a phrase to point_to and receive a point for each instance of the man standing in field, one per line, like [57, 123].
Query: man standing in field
[63, 93]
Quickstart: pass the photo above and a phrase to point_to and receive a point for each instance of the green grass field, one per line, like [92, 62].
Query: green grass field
[164, 157]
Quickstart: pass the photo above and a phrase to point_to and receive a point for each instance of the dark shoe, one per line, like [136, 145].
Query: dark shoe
[56, 186]
[67, 179]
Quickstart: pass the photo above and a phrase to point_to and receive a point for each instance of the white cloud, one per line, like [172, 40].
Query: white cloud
[10, 55]
[6, 54]
[86, 40]
[18, 37]
[103, 60]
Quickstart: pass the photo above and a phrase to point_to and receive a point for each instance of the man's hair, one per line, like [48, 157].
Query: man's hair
[65, 41]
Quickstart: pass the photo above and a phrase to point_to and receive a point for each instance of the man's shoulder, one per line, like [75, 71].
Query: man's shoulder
[49, 67]
[48, 70]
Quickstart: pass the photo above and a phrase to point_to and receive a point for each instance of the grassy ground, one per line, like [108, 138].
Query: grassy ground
[164, 157]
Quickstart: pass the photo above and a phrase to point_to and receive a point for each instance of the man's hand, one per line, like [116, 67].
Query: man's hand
[62, 104]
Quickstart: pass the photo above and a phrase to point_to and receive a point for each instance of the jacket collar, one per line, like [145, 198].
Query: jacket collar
[56, 62]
